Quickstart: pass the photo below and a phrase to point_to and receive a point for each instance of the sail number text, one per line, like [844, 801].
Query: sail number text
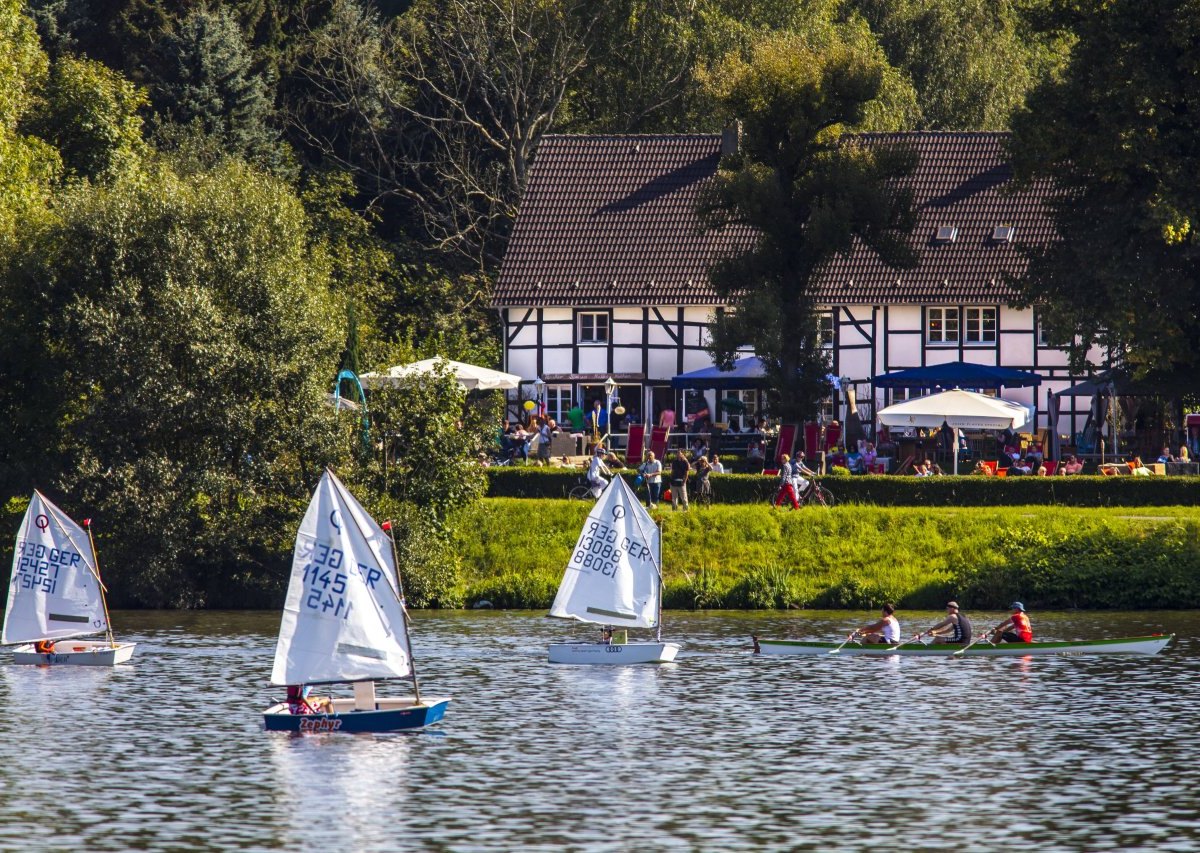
[601, 548]
[325, 577]
[38, 566]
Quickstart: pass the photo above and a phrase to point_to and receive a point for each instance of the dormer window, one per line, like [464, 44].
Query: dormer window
[1002, 234]
[946, 234]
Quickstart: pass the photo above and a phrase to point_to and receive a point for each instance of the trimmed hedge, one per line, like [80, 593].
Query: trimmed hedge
[967, 490]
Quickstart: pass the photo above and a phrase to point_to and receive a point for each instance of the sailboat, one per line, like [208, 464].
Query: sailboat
[614, 577]
[55, 595]
[344, 621]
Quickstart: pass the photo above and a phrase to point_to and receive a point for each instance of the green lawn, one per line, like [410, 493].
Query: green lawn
[513, 552]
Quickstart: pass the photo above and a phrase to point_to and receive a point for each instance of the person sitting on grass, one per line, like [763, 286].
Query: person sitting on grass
[886, 630]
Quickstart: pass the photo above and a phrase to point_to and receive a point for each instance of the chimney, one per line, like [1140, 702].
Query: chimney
[731, 138]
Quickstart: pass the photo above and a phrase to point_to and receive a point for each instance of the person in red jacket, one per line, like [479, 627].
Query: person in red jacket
[1014, 629]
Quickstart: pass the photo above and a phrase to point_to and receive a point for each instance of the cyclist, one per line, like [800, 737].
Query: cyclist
[596, 471]
[803, 485]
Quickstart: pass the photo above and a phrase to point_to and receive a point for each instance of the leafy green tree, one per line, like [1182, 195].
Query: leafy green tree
[808, 193]
[28, 166]
[970, 61]
[1116, 133]
[90, 113]
[172, 338]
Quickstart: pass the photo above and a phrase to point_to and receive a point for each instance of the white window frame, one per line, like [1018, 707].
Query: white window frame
[825, 331]
[559, 401]
[942, 314]
[974, 325]
[594, 316]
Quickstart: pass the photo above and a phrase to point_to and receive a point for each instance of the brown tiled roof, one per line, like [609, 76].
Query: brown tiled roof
[610, 220]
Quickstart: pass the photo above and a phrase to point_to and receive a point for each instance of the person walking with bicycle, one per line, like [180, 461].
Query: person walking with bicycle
[787, 485]
[680, 469]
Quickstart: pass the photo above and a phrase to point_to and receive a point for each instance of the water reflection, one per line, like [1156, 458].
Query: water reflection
[723, 750]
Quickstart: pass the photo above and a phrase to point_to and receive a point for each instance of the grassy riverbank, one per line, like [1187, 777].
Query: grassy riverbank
[514, 550]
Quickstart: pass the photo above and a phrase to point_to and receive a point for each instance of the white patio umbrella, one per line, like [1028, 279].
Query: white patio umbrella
[469, 376]
[960, 409]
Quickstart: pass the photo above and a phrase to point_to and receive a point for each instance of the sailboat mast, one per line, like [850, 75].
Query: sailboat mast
[412, 664]
[658, 627]
[87, 525]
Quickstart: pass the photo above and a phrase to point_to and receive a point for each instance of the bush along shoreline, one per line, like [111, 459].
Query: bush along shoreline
[858, 557]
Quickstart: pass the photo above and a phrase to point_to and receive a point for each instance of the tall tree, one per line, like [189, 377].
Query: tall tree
[1117, 133]
[808, 193]
[171, 337]
[970, 61]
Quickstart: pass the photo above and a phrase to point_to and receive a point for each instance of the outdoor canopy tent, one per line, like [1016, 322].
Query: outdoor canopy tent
[746, 374]
[957, 408]
[958, 374]
[468, 375]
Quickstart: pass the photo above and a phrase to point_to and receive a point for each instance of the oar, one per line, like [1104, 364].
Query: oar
[913, 638]
[848, 639]
[968, 645]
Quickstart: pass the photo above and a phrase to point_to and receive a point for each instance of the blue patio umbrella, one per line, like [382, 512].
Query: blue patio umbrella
[746, 374]
[958, 374]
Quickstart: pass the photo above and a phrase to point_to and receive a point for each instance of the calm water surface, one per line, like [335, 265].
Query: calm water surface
[719, 751]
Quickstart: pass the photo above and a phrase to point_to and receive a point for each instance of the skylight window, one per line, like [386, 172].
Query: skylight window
[1002, 234]
[946, 234]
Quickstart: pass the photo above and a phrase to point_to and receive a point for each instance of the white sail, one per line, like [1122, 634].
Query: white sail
[55, 587]
[613, 573]
[343, 619]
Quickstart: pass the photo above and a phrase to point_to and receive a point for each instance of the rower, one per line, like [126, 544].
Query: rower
[886, 630]
[1014, 629]
[955, 628]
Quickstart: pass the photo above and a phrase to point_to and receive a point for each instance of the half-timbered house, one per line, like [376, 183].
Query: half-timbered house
[606, 273]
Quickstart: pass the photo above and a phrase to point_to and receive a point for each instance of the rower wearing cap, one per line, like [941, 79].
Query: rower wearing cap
[955, 628]
[1014, 629]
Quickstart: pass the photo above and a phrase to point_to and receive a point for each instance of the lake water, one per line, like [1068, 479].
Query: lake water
[719, 751]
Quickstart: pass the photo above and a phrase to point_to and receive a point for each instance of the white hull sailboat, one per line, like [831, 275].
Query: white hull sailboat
[344, 622]
[55, 595]
[614, 577]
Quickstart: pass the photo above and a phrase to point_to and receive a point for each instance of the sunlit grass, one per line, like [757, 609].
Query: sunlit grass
[514, 552]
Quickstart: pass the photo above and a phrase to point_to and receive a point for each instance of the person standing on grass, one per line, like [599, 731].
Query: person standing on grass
[1014, 629]
[679, 476]
[651, 471]
[787, 486]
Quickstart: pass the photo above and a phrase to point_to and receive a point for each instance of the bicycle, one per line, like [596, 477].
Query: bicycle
[581, 491]
[815, 494]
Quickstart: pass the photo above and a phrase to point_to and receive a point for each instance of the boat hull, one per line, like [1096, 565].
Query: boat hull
[1122, 645]
[390, 715]
[613, 653]
[76, 653]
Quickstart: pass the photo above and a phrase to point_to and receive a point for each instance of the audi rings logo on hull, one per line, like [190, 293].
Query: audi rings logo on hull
[315, 725]
[612, 649]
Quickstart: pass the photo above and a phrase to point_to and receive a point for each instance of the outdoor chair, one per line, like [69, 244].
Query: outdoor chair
[637, 441]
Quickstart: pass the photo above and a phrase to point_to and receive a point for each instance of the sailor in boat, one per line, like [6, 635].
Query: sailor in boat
[606, 636]
[886, 630]
[1014, 629]
[955, 628]
[297, 699]
[44, 647]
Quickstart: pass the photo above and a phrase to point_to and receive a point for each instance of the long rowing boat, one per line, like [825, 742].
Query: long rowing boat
[1120, 645]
